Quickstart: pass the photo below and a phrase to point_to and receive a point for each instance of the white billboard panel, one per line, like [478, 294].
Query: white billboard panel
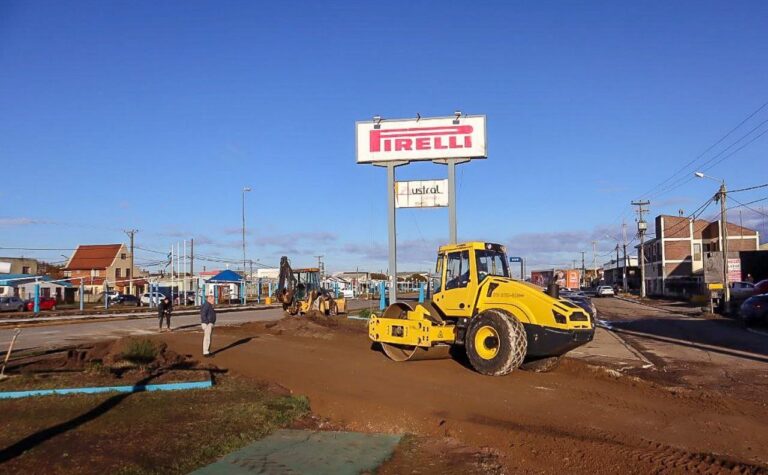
[421, 194]
[421, 139]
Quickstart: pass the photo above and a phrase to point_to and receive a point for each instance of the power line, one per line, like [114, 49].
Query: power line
[746, 205]
[749, 188]
[728, 134]
[686, 179]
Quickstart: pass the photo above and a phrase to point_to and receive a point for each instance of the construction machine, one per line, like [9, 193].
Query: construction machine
[300, 292]
[502, 323]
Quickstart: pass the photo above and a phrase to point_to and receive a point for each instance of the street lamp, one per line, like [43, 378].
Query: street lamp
[245, 190]
[723, 228]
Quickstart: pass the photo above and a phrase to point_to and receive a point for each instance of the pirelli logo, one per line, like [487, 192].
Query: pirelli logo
[433, 138]
[424, 138]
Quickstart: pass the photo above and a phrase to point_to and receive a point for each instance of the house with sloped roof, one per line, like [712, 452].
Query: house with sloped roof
[97, 264]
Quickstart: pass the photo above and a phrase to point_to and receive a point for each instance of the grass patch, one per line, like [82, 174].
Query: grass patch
[365, 313]
[140, 351]
[146, 433]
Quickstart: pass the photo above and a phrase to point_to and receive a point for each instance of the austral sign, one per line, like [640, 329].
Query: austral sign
[421, 139]
[421, 194]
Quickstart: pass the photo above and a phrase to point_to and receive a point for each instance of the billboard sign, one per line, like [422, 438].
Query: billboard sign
[734, 270]
[515, 259]
[713, 267]
[421, 194]
[421, 139]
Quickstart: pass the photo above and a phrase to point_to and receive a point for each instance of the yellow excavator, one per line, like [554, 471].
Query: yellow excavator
[300, 292]
[503, 324]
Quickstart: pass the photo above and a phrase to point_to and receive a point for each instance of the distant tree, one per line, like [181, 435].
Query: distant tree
[55, 271]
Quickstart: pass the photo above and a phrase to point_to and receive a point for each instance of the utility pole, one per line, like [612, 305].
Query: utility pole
[642, 226]
[321, 267]
[594, 258]
[583, 269]
[723, 235]
[192, 266]
[724, 228]
[245, 190]
[131, 233]
[624, 270]
[616, 274]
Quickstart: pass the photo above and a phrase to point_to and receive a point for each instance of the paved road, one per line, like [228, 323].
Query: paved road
[698, 350]
[63, 334]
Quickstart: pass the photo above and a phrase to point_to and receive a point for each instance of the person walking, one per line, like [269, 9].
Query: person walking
[207, 320]
[164, 310]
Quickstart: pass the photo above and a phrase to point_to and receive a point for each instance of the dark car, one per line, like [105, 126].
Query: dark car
[755, 310]
[11, 304]
[761, 287]
[130, 300]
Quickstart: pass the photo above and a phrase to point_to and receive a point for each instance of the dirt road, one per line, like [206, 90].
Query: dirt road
[578, 419]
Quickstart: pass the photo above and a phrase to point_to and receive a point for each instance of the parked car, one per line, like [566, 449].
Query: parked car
[754, 310]
[761, 287]
[742, 290]
[155, 298]
[113, 295]
[11, 304]
[604, 291]
[46, 303]
[347, 293]
[129, 300]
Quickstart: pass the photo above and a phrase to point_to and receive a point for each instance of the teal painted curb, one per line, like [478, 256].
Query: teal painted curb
[107, 389]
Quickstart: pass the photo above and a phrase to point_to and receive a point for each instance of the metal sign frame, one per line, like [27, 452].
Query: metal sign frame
[390, 165]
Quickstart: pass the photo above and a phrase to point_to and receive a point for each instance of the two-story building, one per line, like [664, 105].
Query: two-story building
[674, 259]
[96, 263]
[18, 265]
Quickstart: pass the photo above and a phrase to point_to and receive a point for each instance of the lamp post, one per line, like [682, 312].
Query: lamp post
[245, 190]
[723, 233]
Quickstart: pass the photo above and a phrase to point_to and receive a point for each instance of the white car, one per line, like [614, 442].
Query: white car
[604, 291]
[156, 298]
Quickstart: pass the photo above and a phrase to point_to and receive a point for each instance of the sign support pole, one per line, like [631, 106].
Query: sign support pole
[392, 228]
[452, 227]
[452, 201]
[392, 225]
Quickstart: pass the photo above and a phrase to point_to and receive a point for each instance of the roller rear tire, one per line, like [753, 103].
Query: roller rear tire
[496, 343]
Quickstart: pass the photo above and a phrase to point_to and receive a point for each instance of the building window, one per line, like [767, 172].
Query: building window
[117, 273]
[697, 252]
[123, 256]
[128, 273]
[25, 270]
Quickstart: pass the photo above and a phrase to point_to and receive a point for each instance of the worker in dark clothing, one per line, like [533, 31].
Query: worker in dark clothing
[164, 310]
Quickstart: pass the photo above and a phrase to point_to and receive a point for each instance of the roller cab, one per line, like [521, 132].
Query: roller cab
[501, 322]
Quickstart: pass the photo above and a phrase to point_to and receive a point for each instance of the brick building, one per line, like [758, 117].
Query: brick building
[95, 263]
[674, 259]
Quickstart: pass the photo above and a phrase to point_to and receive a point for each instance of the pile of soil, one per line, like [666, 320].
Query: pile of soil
[108, 353]
[300, 326]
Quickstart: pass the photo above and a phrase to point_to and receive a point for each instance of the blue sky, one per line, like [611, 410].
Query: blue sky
[154, 115]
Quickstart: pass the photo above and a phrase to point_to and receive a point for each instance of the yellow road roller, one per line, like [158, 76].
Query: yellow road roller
[502, 323]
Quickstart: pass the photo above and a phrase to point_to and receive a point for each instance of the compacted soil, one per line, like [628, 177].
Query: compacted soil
[577, 419]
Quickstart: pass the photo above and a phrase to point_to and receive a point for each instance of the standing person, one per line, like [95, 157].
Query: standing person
[207, 320]
[164, 310]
